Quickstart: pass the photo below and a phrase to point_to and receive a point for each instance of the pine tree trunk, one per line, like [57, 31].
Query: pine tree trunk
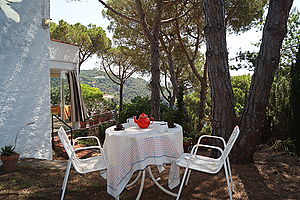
[155, 83]
[155, 61]
[121, 96]
[152, 34]
[202, 97]
[266, 64]
[173, 79]
[223, 116]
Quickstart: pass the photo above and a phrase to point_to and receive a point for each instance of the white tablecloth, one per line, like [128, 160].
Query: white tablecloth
[134, 149]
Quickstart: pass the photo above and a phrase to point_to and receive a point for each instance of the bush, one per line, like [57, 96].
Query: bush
[138, 106]
[93, 98]
[101, 130]
[81, 133]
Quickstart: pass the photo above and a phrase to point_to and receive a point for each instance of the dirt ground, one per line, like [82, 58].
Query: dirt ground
[273, 175]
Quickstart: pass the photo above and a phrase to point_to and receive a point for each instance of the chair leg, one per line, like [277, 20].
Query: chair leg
[182, 183]
[230, 175]
[66, 179]
[227, 179]
[188, 177]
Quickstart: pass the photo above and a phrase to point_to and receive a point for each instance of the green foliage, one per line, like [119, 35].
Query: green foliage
[294, 128]
[279, 104]
[93, 98]
[55, 91]
[287, 145]
[240, 86]
[137, 106]
[102, 127]
[289, 46]
[242, 15]
[133, 86]
[279, 119]
[169, 115]
[182, 114]
[7, 151]
[192, 103]
[187, 139]
[245, 60]
[291, 41]
[81, 133]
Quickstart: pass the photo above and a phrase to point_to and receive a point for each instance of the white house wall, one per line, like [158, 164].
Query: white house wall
[25, 80]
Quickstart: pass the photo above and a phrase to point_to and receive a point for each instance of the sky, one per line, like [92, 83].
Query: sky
[90, 12]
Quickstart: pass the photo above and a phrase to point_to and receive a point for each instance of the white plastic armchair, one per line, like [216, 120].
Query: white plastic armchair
[192, 161]
[97, 163]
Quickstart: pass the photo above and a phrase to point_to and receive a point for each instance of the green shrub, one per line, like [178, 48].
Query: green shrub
[81, 133]
[137, 106]
[101, 130]
[93, 98]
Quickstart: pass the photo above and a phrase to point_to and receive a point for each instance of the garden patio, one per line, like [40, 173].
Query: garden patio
[273, 175]
[153, 65]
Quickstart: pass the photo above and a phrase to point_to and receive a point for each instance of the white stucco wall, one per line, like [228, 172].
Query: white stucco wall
[25, 80]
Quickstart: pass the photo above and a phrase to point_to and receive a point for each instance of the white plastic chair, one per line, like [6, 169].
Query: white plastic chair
[209, 165]
[92, 164]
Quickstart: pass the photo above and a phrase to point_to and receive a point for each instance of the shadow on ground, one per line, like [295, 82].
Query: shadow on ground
[274, 175]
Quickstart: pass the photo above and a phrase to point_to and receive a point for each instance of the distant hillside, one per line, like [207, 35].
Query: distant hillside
[133, 86]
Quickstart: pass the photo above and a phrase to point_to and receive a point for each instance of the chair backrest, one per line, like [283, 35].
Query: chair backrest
[65, 141]
[234, 135]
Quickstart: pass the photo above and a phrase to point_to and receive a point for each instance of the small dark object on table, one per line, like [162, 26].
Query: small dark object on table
[119, 127]
[171, 125]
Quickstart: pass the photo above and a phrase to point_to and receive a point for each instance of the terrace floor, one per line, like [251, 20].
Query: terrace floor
[274, 175]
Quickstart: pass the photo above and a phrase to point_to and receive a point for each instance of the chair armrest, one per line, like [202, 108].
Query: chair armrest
[88, 137]
[214, 137]
[201, 145]
[85, 148]
[207, 146]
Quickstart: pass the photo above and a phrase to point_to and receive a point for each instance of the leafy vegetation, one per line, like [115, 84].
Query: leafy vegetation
[139, 105]
[240, 86]
[93, 98]
[133, 86]
[7, 150]
[55, 91]
[119, 64]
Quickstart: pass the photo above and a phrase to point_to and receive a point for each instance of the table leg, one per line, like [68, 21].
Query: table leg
[142, 185]
[158, 185]
[134, 181]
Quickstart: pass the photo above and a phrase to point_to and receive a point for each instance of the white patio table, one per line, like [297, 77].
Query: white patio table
[135, 149]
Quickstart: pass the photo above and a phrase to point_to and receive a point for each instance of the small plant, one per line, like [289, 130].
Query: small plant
[287, 145]
[7, 151]
[81, 133]
[187, 139]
